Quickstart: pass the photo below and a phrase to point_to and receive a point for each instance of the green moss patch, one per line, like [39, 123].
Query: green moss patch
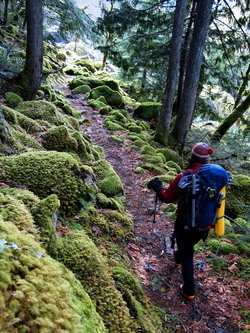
[148, 110]
[112, 97]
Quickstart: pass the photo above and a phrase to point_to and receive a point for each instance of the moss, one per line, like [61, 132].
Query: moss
[40, 110]
[59, 139]
[170, 155]
[44, 214]
[14, 211]
[155, 159]
[112, 97]
[107, 179]
[91, 82]
[111, 126]
[118, 116]
[105, 110]
[115, 138]
[134, 129]
[39, 294]
[28, 198]
[148, 110]
[9, 115]
[96, 104]
[114, 85]
[140, 170]
[81, 256]
[243, 265]
[46, 173]
[147, 150]
[13, 99]
[162, 156]
[237, 203]
[221, 247]
[87, 63]
[24, 142]
[174, 165]
[83, 89]
[154, 168]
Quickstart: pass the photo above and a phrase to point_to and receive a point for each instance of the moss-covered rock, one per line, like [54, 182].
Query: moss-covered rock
[111, 126]
[40, 110]
[105, 110]
[82, 257]
[13, 99]
[148, 110]
[46, 173]
[113, 98]
[37, 293]
[172, 164]
[148, 150]
[134, 128]
[237, 202]
[83, 89]
[58, 138]
[107, 178]
[96, 104]
[171, 155]
[87, 63]
[9, 115]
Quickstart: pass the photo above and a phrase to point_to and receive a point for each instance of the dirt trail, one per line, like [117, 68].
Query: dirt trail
[207, 313]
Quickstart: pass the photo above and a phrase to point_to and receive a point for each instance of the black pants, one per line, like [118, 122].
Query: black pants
[184, 255]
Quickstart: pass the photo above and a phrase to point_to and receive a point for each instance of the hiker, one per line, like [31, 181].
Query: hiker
[185, 239]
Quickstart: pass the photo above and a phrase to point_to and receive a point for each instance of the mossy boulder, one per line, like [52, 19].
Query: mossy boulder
[46, 173]
[58, 138]
[87, 63]
[107, 178]
[148, 150]
[114, 85]
[37, 293]
[134, 128]
[83, 89]
[170, 155]
[148, 110]
[40, 110]
[112, 126]
[104, 110]
[13, 99]
[237, 202]
[82, 256]
[113, 98]
[96, 104]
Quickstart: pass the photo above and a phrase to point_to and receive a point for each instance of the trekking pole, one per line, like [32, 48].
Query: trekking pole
[148, 266]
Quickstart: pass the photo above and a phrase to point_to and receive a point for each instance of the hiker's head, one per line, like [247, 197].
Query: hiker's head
[201, 153]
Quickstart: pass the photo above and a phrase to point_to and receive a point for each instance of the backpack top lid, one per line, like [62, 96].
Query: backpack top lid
[213, 176]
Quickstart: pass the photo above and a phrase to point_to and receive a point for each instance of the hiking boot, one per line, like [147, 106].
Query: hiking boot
[188, 297]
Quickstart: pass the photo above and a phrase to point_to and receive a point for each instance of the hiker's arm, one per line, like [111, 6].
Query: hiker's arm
[172, 192]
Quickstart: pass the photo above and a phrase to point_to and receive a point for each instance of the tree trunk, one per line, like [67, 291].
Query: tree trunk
[231, 119]
[189, 94]
[5, 19]
[30, 78]
[173, 69]
[184, 55]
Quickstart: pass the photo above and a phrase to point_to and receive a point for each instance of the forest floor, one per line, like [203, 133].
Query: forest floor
[218, 298]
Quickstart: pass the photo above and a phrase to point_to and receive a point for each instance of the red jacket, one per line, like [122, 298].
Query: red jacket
[173, 192]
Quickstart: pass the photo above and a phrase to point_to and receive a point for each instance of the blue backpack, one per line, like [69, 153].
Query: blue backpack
[201, 196]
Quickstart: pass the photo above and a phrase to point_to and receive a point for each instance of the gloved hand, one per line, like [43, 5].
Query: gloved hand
[155, 185]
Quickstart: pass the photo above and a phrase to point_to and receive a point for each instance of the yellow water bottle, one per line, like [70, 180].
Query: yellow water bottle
[219, 228]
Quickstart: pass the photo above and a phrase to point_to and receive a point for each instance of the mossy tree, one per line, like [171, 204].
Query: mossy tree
[30, 78]
[241, 105]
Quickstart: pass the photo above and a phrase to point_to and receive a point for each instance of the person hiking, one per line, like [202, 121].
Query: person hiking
[185, 239]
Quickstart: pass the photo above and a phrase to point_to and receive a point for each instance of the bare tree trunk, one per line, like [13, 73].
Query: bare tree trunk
[173, 69]
[30, 78]
[189, 95]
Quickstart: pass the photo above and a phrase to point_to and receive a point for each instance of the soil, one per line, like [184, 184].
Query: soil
[218, 298]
